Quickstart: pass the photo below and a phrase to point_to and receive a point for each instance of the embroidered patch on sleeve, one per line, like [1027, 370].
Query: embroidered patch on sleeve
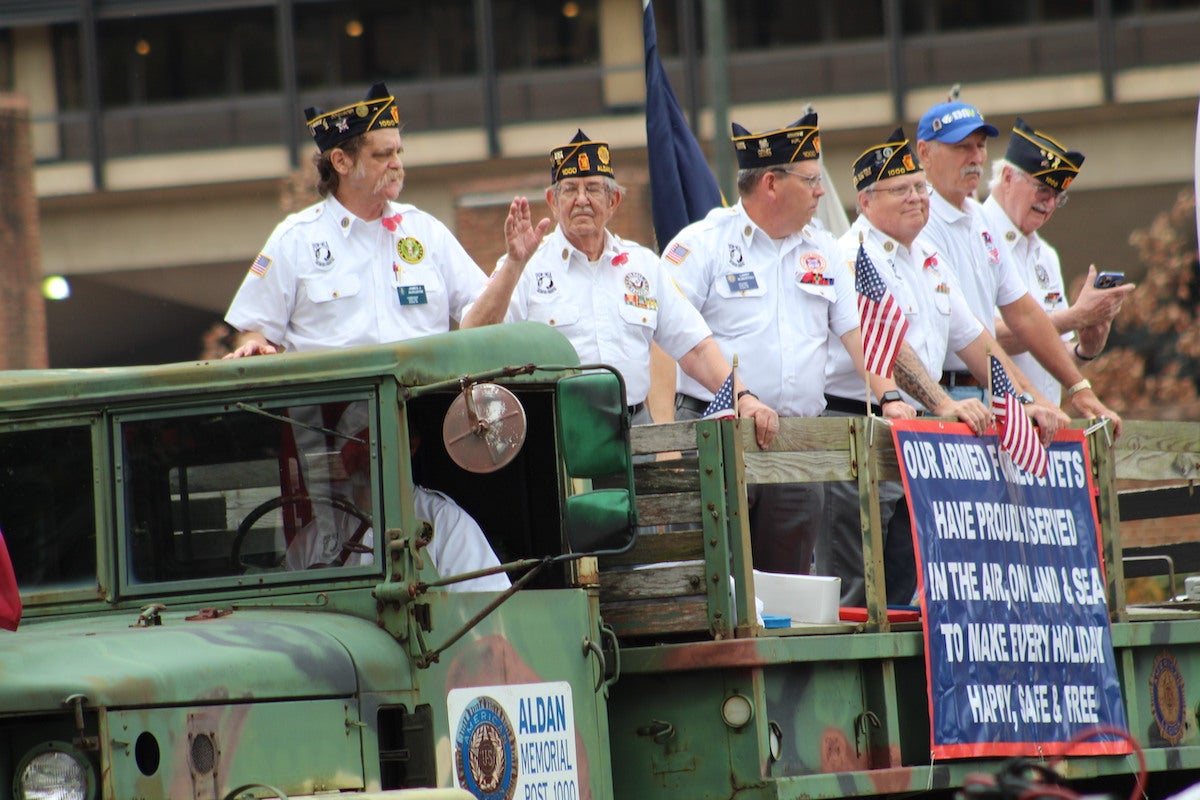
[677, 253]
[260, 265]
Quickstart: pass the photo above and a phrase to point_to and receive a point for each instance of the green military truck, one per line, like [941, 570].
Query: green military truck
[228, 591]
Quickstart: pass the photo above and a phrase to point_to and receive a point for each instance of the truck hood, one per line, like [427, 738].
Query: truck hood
[258, 654]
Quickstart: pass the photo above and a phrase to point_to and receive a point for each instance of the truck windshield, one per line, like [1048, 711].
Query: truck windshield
[247, 490]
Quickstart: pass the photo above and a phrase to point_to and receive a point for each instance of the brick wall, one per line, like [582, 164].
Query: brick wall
[1167, 530]
[22, 308]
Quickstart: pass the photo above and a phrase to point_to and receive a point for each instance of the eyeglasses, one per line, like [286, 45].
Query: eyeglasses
[592, 191]
[901, 192]
[1044, 192]
[813, 181]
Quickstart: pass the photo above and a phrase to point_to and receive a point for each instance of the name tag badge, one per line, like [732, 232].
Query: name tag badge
[742, 282]
[413, 295]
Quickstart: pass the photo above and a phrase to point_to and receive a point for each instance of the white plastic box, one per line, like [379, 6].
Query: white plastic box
[804, 598]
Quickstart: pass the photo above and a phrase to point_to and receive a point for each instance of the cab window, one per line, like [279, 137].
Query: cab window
[248, 490]
[48, 507]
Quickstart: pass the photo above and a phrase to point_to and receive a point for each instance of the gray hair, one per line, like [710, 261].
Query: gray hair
[998, 172]
[747, 179]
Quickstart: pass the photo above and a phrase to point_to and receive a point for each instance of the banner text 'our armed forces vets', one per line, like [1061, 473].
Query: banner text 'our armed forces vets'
[1018, 647]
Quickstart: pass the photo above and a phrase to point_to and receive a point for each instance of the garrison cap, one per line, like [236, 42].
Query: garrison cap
[800, 141]
[331, 128]
[580, 158]
[891, 159]
[1042, 157]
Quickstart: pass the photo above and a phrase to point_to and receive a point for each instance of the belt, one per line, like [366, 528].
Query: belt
[957, 378]
[635, 408]
[841, 404]
[690, 403]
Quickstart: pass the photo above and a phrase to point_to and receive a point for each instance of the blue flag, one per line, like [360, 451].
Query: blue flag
[682, 187]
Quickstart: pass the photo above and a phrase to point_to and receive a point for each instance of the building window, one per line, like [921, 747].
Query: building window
[6, 60]
[67, 71]
[765, 24]
[187, 57]
[346, 43]
[546, 33]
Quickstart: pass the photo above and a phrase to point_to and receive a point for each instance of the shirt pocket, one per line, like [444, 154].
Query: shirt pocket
[941, 301]
[327, 288]
[739, 285]
[423, 281]
[816, 291]
[553, 311]
[639, 316]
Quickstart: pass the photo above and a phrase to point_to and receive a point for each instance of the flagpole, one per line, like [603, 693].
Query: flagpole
[733, 387]
[866, 370]
[990, 392]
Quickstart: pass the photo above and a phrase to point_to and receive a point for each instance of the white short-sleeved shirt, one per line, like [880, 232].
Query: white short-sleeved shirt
[983, 267]
[326, 278]
[458, 543]
[939, 321]
[610, 309]
[1037, 262]
[771, 303]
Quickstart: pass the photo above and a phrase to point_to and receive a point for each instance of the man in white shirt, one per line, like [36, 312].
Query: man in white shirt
[893, 197]
[952, 145]
[609, 296]
[357, 268]
[1026, 188]
[770, 287]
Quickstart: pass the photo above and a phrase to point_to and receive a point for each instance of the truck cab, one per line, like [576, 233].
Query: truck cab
[233, 587]
[227, 584]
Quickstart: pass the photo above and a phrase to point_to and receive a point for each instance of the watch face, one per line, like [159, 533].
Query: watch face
[1025, 397]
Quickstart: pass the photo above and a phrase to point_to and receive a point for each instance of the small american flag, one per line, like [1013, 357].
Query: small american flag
[882, 322]
[1018, 437]
[260, 265]
[721, 406]
[677, 253]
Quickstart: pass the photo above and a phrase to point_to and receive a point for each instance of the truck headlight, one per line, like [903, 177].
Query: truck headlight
[54, 771]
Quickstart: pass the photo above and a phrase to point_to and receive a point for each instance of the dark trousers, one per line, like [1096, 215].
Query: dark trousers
[840, 548]
[784, 517]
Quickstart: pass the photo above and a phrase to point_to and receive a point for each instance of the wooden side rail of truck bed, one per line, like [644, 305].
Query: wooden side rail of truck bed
[689, 575]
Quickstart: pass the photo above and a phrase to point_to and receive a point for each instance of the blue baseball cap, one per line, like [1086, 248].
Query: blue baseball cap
[951, 123]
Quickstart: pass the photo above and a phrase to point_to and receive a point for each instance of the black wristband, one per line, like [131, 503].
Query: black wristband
[1082, 357]
[890, 396]
[745, 392]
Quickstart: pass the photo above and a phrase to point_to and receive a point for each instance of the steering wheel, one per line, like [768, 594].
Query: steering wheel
[353, 544]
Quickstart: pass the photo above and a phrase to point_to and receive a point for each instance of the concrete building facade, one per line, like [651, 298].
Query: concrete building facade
[168, 133]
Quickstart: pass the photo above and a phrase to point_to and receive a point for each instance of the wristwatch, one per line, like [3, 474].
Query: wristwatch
[890, 396]
[1025, 397]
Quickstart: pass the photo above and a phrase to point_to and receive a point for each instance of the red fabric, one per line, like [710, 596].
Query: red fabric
[10, 595]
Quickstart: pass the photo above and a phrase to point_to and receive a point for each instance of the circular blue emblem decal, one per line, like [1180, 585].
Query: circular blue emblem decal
[485, 751]
[1167, 698]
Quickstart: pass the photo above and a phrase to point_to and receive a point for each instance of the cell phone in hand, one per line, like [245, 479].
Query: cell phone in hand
[1107, 280]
